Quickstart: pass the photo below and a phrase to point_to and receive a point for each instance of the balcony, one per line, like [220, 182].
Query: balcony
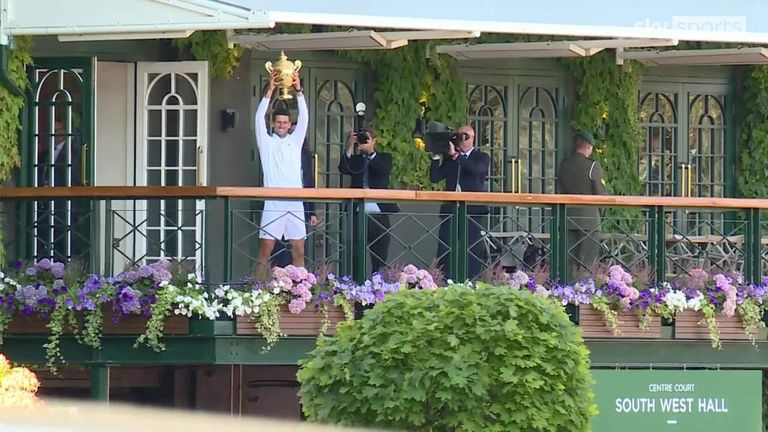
[214, 232]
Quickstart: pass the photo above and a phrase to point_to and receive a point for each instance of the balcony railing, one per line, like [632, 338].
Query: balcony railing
[216, 230]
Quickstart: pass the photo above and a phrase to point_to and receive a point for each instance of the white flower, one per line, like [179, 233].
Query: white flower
[164, 283]
[695, 303]
[675, 300]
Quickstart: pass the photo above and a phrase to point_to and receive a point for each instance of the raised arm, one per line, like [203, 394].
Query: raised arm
[261, 111]
[303, 120]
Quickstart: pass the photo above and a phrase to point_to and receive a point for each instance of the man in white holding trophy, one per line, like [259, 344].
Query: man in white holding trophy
[280, 155]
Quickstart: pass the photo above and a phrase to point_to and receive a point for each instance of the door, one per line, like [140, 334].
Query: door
[59, 153]
[518, 121]
[686, 154]
[172, 149]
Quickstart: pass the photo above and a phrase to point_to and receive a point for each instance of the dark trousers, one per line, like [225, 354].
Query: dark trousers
[583, 253]
[476, 255]
[377, 239]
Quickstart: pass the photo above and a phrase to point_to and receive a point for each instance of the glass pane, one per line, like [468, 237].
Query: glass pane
[171, 178]
[189, 213]
[171, 243]
[189, 177]
[190, 123]
[154, 178]
[189, 244]
[171, 153]
[158, 89]
[154, 153]
[190, 153]
[153, 243]
[153, 213]
[172, 118]
[185, 87]
[154, 123]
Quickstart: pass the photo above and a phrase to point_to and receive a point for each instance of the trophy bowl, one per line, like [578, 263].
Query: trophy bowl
[285, 70]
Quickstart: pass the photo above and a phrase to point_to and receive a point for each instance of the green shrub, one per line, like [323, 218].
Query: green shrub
[493, 359]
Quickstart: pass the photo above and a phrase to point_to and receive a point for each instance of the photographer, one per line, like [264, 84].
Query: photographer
[371, 169]
[464, 169]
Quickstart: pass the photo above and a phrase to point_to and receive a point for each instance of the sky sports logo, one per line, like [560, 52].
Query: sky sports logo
[715, 23]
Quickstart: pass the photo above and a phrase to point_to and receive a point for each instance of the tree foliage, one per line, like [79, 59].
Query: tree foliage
[491, 359]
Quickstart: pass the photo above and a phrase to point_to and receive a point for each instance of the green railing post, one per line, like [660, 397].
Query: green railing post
[453, 244]
[559, 242]
[462, 247]
[228, 240]
[753, 247]
[657, 249]
[359, 251]
[100, 382]
[109, 236]
[95, 255]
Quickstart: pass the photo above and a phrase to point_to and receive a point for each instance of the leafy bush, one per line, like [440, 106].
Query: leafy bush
[491, 359]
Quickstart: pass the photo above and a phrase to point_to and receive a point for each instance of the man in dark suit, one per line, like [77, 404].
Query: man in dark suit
[281, 254]
[580, 175]
[371, 169]
[58, 165]
[464, 169]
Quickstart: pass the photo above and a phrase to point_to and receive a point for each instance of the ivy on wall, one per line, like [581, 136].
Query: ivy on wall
[10, 122]
[403, 78]
[753, 172]
[212, 46]
[606, 105]
[10, 107]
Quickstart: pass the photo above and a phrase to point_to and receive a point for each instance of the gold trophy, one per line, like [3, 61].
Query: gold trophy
[285, 70]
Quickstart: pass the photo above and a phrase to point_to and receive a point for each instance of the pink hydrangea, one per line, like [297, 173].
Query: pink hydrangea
[296, 306]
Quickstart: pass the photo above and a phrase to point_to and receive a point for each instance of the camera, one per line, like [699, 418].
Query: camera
[458, 138]
[440, 142]
[362, 137]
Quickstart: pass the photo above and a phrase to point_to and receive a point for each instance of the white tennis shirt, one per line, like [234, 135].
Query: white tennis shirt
[281, 157]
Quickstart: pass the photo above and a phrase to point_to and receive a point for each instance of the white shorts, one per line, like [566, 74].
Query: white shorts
[283, 220]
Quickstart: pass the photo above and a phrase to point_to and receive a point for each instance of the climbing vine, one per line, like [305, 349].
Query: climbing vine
[753, 173]
[10, 121]
[212, 46]
[403, 78]
[606, 105]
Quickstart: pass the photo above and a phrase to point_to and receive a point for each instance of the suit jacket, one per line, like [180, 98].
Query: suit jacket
[61, 169]
[308, 179]
[470, 174]
[580, 175]
[379, 170]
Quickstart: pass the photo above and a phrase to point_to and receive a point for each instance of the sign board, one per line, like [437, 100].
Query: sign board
[680, 401]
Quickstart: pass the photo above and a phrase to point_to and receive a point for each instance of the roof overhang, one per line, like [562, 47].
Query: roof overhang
[123, 19]
[694, 20]
[356, 39]
[555, 49]
[704, 57]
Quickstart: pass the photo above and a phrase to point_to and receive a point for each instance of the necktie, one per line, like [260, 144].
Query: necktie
[462, 159]
[366, 162]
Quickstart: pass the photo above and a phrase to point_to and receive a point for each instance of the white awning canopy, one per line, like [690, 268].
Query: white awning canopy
[698, 20]
[705, 57]
[356, 39]
[576, 48]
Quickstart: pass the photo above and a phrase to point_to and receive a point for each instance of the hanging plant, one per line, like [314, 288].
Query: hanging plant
[213, 47]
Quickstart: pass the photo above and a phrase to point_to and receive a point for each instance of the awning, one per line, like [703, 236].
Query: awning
[356, 39]
[576, 48]
[704, 57]
[745, 21]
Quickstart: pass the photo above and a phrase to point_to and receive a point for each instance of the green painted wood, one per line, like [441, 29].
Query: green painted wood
[609, 352]
[100, 382]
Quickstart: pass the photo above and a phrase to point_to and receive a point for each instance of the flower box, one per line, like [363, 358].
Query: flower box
[593, 325]
[687, 326]
[307, 323]
[128, 325]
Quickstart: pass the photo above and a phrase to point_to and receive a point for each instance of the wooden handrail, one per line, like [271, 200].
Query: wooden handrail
[138, 192]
